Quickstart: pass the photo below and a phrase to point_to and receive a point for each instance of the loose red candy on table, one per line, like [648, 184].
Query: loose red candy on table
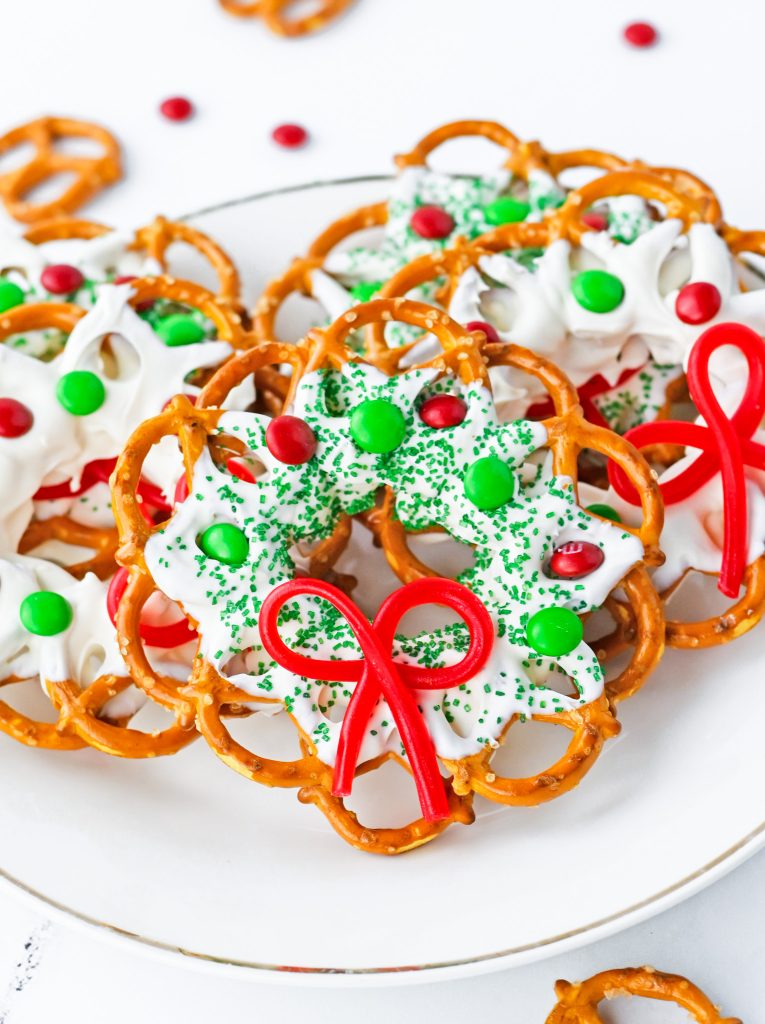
[697, 303]
[575, 559]
[15, 418]
[176, 108]
[488, 330]
[640, 34]
[290, 440]
[61, 279]
[433, 222]
[442, 411]
[290, 136]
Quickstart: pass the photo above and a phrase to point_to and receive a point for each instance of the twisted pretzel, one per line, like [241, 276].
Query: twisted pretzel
[275, 14]
[578, 1003]
[92, 174]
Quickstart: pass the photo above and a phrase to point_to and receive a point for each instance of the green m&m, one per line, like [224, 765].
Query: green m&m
[554, 631]
[179, 329]
[10, 295]
[489, 483]
[597, 290]
[80, 392]
[363, 291]
[506, 210]
[604, 511]
[377, 426]
[225, 543]
[45, 613]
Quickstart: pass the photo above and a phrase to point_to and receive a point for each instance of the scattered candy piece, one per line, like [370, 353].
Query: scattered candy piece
[488, 330]
[489, 483]
[442, 411]
[640, 34]
[61, 279]
[506, 210]
[698, 302]
[290, 440]
[554, 631]
[45, 613]
[377, 426]
[176, 108]
[290, 136]
[596, 221]
[225, 543]
[433, 222]
[179, 329]
[575, 559]
[80, 392]
[15, 419]
[604, 511]
[237, 468]
[598, 291]
[10, 295]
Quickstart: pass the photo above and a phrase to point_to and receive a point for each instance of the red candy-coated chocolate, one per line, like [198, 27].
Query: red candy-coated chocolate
[596, 221]
[16, 419]
[488, 330]
[697, 303]
[290, 440]
[725, 444]
[640, 34]
[432, 222]
[174, 634]
[176, 108]
[575, 559]
[442, 411]
[181, 491]
[290, 136]
[241, 470]
[61, 279]
[377, 674]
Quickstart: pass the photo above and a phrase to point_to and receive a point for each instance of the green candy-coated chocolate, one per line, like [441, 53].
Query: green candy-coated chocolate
[363, 291]
[179, 329]
[80, 392]
[377, 426]
[225, 543]
[598, 291]
[10, 295]
[489, 483]
[45, 613]
[554, 632]
[506, 210]
[604, 511]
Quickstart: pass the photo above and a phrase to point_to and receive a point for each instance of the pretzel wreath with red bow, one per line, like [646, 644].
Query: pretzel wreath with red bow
[404, 452]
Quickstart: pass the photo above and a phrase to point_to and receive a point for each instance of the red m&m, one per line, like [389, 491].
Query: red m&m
[488, 330]
[16, 419]
[595, 221]
[176, 108]
[640, 34]
[290, 136]
[61, 279]
[433, 222]
[442, 411]
[697, 303]
[290, 440]
[575, 559]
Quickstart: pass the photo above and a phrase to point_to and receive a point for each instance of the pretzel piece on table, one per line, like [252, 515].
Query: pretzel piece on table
[276, 14]
[92, 173]
[578, 1003]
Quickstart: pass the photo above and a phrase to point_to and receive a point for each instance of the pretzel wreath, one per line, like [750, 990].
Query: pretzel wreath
[92, 173]
[578, 1003]
[680, 189]
[210, 698]
[276, 16]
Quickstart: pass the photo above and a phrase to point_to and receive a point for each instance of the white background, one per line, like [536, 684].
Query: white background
[391, 70]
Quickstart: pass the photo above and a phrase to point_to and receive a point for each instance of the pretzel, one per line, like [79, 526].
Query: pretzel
[578, 1003]
[275, 14]
[92, 174]
[210, 698]
[101, 540]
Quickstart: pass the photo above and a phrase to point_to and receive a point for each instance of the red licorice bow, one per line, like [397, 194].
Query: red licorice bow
[725, 443]
[173, 634]
[587, 392]
[377, 674]
[98, 472]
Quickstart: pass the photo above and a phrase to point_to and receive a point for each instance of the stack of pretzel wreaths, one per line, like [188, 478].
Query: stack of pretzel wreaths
[565, 379]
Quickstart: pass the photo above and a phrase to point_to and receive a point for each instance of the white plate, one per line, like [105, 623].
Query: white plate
[184, 857]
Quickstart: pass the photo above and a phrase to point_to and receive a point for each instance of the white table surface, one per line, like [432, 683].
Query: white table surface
[371, 86]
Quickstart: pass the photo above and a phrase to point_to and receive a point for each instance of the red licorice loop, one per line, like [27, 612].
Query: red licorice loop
[725, 443]
[98, 472]
[377, 674]
[174, 634]
[591, 389]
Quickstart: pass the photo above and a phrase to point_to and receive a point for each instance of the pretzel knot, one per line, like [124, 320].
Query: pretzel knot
[91, 173]
[726, 444]
[377, 674]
